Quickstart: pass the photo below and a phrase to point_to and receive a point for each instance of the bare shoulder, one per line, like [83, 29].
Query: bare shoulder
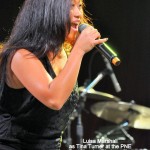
[24, 57]
[24, 61]
[23, 54]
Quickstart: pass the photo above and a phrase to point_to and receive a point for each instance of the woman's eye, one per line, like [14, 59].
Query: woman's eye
[80, 5]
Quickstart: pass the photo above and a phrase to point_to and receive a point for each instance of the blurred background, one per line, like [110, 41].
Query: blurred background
[127, 25]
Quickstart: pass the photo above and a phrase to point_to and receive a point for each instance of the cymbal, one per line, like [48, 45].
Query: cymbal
[117, 112]
[93, 94]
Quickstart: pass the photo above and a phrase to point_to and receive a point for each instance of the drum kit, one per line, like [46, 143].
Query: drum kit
[134, 115]
[110, 108]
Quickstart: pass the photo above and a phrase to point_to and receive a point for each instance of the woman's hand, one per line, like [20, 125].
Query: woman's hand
[88, 39]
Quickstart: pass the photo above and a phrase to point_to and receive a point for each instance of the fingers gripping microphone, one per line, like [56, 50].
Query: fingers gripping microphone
[104, 49]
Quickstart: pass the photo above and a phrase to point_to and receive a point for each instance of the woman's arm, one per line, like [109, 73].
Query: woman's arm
[53, 93]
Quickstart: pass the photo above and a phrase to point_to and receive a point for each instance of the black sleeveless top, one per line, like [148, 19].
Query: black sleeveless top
[27, 124]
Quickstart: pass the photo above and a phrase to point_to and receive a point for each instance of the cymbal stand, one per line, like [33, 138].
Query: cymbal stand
[128, 135]
[79, 126]
[112, 75]
[99, 77]
[82, 99]
[68, 140]
[120, 127]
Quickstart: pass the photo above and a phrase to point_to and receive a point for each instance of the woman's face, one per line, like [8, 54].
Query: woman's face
[76, 13]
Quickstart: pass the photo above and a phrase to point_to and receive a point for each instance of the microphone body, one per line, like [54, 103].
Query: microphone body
[104, 49]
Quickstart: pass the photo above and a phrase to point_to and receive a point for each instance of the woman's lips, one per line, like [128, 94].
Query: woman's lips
[74, 26]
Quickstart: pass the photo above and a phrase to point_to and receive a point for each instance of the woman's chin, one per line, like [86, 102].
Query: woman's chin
[71, 38]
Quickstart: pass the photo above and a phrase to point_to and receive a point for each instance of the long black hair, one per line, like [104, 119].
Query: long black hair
[41, 26]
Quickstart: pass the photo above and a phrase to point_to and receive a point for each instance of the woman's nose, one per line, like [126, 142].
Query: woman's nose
[77, 12]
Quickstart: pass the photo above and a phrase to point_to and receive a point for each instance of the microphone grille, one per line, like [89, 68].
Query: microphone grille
[82, 27]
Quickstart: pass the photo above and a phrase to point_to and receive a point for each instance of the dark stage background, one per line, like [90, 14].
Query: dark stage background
[127, 25]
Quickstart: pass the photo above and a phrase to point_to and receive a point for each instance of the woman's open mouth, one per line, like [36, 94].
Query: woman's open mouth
[74, 26]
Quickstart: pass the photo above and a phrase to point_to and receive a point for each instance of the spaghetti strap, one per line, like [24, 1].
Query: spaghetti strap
[48, 66]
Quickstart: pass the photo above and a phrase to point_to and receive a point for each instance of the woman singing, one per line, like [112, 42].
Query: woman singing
[38, 90]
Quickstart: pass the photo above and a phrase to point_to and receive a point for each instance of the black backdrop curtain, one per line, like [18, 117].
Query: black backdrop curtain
[127, 25]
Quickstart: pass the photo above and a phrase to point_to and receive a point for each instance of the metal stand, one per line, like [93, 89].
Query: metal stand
[118, 127]
[112, 75]
[68, 140]
[79, 129]
[79, 126]
[82, 99]
[99, 77]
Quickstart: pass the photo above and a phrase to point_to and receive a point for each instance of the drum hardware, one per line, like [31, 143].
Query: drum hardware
[79, 125]
[68, 140]
[121, 136]
[97, 95]
[84, 92]
[82, 100]
[137, 116]
[115, 82]
[99, 77]
[128, 136]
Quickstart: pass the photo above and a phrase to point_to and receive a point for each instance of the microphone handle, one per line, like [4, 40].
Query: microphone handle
[103, 49]
[109, 54]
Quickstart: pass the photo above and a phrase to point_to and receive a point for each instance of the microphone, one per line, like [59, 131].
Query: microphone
[112, 75]
[104, 49]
